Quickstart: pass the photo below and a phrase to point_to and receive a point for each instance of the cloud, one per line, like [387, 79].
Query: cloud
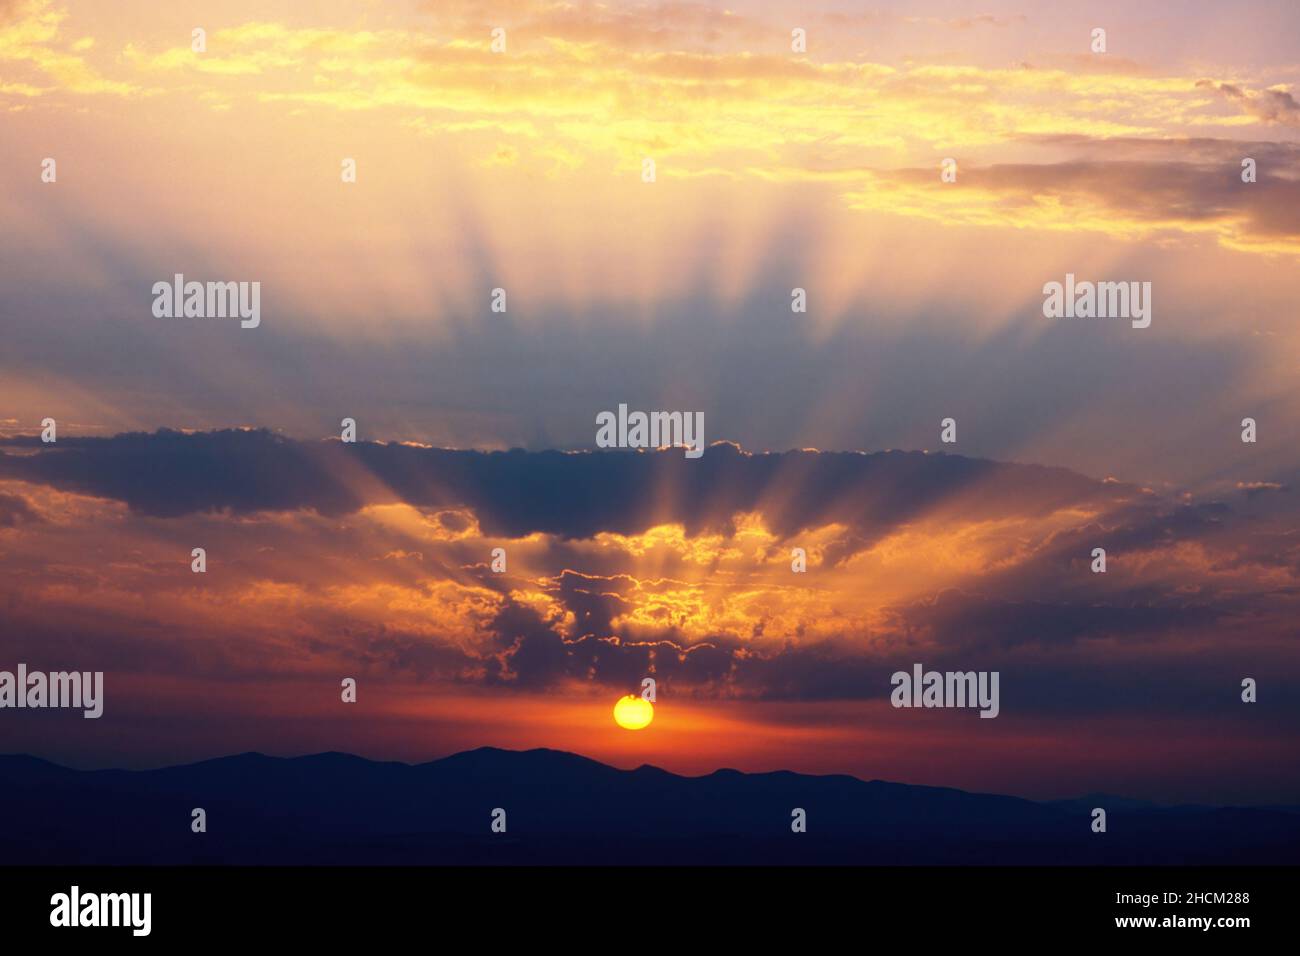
[968, 22]
[1125, 199]
[31, 40]
[1271, 105]
[625, 565]
[981, 623]
[15, 510]
[516, 493]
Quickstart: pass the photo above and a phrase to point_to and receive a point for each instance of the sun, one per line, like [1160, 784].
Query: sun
[633, 713]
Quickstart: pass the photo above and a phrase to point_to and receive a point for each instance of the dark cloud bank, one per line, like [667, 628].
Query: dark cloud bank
[170, 474]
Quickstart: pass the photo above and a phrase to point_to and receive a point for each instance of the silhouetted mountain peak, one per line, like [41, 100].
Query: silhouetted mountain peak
[651, 769]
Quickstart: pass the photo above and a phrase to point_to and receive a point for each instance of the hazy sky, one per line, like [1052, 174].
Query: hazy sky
[522, 170]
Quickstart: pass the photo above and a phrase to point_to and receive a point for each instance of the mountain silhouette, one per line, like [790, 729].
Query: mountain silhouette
[562, 808]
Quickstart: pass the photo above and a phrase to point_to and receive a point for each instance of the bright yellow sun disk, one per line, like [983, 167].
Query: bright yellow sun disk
[633, 713]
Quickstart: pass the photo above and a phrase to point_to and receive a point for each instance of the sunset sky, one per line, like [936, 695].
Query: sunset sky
[774, 169]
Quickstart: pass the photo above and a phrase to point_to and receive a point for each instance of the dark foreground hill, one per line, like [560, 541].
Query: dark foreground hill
[563, 808]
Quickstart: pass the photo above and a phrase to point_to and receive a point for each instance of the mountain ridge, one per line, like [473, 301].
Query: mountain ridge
[562, 807]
